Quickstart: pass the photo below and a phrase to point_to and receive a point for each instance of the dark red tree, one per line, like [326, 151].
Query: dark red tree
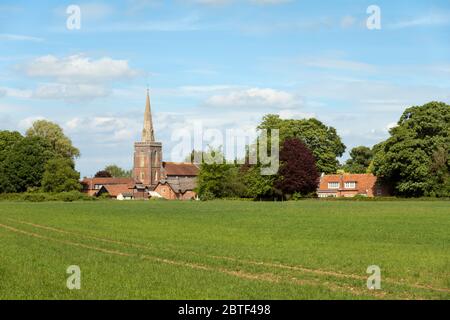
[298, 172]
[103, 174]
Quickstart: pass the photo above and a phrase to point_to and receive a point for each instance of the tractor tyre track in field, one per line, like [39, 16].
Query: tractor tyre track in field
[264, 277]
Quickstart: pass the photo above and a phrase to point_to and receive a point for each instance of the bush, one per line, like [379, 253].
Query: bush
[35, 197]
[73, 196]
[207, 195]
[103, 196]
[43, 196]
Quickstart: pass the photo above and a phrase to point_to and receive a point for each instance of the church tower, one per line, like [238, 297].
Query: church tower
[147, 152]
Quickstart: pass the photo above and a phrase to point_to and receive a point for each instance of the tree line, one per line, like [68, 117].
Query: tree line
[414, 160]
[43, 160]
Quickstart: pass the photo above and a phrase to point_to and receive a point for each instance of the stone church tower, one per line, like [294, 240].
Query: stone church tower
[147, 152]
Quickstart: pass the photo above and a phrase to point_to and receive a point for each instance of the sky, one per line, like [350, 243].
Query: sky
[221, 63]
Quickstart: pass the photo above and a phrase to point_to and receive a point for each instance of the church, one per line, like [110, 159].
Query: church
[152, 177]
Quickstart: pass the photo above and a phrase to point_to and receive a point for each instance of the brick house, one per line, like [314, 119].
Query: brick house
[177, 189]
[180, 180]
[350, 185]
[117, 191]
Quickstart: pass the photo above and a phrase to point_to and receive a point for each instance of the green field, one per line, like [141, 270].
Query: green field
[225, 249]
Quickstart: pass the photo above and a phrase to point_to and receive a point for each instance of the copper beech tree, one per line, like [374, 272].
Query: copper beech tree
[298, 172]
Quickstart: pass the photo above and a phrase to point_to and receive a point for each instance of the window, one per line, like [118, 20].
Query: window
[327, 195]
[98, 186]
[333, 185]
[350, 185]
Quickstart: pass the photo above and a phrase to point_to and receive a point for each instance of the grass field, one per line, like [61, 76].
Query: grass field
[225, 249]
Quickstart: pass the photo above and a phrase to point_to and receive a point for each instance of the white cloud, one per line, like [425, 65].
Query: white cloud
[348, 21]
[105, 129]
[211, 2]
[432, 19]
[255, 97]
[89, 11]
[226, 2]
[19, 37]
[293, 114]
[26, 123]
[15, 93]
[76, 77]
[391, 125]
[338, 64]
[70, 92]
[268, 2]
[79, 68]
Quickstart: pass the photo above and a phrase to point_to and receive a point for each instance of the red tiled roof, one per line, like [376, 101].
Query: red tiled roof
[180, 169]
[364, 182]
[115, 190]
[91, 182]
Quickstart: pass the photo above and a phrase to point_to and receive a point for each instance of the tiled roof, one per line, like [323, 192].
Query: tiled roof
[91, 182]
[116, 189]
[364, 182]
[180, 169]
[180, 185]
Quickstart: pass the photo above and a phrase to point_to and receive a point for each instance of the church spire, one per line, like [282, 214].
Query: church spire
[147, 133]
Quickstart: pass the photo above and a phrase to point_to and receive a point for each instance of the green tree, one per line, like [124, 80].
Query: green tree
[24, 164]
[54, 134]
[117, 172]
[323, 141]
[7, 141]
[415, 159]
[219, 180]
[194, 156]
[103, 174]
[258, 186]
[360, 159]
[60, 175]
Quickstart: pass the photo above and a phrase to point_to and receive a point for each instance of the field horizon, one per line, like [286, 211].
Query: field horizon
[225, 249]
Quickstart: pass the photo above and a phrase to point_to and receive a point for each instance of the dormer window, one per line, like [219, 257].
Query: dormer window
[333, 185]
[350, 185]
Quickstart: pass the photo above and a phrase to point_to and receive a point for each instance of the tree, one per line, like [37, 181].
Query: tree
[258, 186]
[117, 172]
[194, 156]
[360, 159]
[60, 175]
[219, 180]
[54, 134]
[298, 172]
[7, 141]
[24, 164]
[415, 158]
[323, 141]
[103, 174]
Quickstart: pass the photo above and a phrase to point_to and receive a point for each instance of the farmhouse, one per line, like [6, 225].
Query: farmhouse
[350, 185]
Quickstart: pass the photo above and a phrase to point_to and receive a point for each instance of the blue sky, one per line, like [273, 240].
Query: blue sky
[223, 62]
